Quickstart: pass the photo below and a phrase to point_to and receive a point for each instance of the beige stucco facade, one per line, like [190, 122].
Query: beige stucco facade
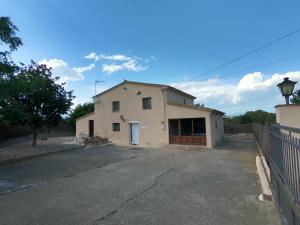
[171, 96]
[289, 116]
[82, 125]
[217, 129]
[214, 135]
[167, 103]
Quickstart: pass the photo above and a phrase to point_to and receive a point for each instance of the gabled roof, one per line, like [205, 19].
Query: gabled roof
[148, 84]
[197, 108]
[88, 114]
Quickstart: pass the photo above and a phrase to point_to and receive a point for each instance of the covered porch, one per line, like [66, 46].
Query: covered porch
[187, 131]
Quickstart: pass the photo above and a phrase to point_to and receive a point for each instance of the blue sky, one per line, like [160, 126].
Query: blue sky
[166, 42]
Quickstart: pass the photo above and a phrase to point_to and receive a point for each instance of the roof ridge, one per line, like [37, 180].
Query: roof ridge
[161, 85]
[144, 83]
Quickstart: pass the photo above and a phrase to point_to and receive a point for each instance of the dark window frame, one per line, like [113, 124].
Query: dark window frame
[115, 106]
[147, 105]
[116, 129]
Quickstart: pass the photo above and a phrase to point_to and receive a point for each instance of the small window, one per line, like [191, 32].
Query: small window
[116, 126]
[216, 123]
[147, 103]
[116, 106]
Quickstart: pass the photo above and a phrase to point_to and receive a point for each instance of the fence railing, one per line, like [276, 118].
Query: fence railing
[260, 133]
[7, 132]
[281, 147]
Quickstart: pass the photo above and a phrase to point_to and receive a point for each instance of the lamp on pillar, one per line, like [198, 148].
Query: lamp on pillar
[286, 88]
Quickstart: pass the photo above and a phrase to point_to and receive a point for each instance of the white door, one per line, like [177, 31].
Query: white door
[134, 133]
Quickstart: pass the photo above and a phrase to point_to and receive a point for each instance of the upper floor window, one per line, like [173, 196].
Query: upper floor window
[116, 106]
[147, 104]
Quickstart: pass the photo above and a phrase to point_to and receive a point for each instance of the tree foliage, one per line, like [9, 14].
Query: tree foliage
[8, 38]
[35, 98]
[80, 110]
[8, 34]
[258, 116]
[296, 97]
[28, 94]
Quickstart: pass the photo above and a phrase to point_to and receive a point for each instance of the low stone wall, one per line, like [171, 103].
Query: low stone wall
[15, 131]
[20, 148]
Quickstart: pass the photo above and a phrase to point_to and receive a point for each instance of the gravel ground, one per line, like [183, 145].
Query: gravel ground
[21, 147]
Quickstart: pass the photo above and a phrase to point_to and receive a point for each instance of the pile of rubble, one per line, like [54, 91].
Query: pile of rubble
[95, 140]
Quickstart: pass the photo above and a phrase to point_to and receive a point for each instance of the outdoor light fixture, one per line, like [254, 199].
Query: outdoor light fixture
[286, 88]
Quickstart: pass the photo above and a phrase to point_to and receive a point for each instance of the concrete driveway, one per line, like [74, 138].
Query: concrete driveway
[117, 185]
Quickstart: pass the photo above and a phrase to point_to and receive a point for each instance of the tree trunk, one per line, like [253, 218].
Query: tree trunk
[34, 132]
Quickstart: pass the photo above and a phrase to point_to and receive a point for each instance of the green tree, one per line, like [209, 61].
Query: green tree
[258, 116]
[80, 110]
[10, 42]
[28, 94]
[296, 97]
[35, 98]
[9, 39]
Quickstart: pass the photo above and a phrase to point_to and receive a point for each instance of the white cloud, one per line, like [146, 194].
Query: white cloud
[93, 56]
[61, 69]
[119, 62]
[111, 68]
[116, 57]
[253, 89]
[84, 68]
[131, 65]
[257, 83]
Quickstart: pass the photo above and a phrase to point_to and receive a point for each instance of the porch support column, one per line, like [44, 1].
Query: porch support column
[208, 128]
[192, 126]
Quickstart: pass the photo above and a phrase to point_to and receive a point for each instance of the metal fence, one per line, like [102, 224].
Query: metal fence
[281, 148]
[7, 132]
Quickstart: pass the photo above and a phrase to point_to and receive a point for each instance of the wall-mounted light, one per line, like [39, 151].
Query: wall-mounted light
[122, 118]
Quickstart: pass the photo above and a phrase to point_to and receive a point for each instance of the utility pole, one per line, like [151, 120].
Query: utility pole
[97, 81]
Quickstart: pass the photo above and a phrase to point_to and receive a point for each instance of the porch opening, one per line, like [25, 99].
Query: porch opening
[190, 131]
